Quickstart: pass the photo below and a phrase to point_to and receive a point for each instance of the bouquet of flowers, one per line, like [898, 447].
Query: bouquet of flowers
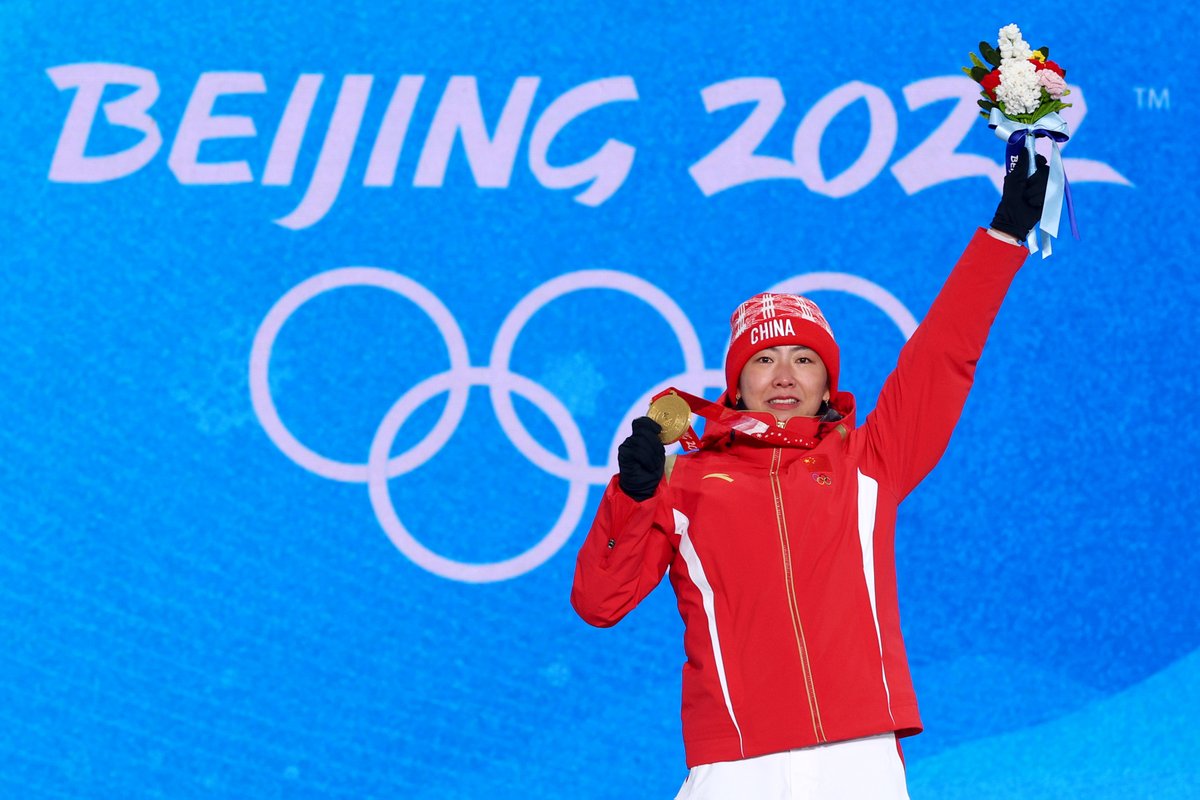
[1023, 83]
[1023, 92]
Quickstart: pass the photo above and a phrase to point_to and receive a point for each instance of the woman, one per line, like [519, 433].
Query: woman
[779, 535]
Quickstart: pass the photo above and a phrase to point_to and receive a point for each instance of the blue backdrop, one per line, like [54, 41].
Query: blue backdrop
[320, 323]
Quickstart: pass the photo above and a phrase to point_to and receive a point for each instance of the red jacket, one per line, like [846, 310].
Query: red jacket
[782, 557]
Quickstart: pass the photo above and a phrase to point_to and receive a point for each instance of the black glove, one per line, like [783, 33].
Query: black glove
[641, 458]
[1021, 200]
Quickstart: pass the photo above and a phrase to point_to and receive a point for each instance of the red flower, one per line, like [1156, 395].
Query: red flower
[1050, 65]
[990, 82]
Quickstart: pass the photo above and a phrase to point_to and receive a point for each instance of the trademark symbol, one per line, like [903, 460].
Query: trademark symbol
[1154, 99]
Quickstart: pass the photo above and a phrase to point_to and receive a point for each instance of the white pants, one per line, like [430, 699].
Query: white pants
[860, 769]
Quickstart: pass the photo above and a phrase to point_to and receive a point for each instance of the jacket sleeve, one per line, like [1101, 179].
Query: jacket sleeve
[922, 399]
[624, 556]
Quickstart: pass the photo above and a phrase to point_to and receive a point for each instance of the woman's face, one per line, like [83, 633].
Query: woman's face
[789, 381]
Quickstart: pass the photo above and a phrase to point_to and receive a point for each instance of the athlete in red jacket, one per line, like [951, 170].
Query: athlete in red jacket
[779, 535]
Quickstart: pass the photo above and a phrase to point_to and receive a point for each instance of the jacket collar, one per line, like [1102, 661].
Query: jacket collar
[808, 432]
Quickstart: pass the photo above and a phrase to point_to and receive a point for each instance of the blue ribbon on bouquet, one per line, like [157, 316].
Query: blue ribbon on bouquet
[1020, 134]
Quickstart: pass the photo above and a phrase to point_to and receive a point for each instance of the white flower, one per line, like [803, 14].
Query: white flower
[1017, 50]
[1011, 32]
[1020, 90]
[1011, 43]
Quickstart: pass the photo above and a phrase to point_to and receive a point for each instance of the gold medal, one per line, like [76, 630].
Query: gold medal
[672, 413]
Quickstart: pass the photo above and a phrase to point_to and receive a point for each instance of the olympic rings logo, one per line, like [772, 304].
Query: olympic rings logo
[502, 384]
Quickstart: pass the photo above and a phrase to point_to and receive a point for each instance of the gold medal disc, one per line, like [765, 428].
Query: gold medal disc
[672, 413]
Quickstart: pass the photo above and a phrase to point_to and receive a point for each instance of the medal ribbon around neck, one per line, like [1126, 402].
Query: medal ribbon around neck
[672, 409]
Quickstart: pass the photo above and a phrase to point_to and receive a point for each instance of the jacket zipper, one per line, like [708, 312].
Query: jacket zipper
[793, 605]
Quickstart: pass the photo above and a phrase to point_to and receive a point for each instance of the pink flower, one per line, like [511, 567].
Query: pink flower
[1052, 82]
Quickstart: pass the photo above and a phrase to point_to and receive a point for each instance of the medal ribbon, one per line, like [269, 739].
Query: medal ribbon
[735, 420]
